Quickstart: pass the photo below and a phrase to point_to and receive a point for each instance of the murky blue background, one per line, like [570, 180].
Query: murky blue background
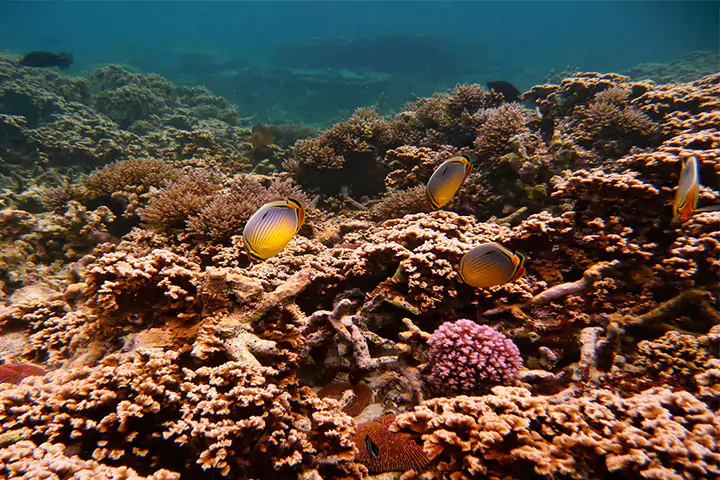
[279, 59]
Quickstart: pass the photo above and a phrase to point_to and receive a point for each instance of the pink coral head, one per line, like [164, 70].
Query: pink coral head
[467, 358]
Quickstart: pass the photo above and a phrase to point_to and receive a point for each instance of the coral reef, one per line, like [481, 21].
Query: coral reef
[171, 208]
[690, 67]
[658, 433]
[225, 214]
[25, 459]
[215, 415]
[161, 350]
[345, 155]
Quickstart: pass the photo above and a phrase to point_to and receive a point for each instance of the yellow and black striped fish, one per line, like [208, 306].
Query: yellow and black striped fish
[688, 191]
[271, 228]
[491, 264]
[446, 180]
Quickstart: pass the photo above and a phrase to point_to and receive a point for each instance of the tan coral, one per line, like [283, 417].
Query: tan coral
[227, 418]
[674, 358]
[597, 434]
[25, 459]
[125, 285]
[411, 166]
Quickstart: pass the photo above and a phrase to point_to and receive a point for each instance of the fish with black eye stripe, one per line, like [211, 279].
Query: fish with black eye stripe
[271, 228]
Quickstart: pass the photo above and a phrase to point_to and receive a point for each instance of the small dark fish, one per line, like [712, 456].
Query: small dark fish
[506, 89]
[47, 59]
[371, 447]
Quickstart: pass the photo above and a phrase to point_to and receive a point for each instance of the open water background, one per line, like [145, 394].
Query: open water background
[317, 61]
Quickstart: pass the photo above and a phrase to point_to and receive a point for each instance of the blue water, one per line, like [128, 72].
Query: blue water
[477, 41]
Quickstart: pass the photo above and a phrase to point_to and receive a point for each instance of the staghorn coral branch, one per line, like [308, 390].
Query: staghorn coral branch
[284, 294]
[353, 202]
[361, 352]
[590, 276]
[702, 298]
[245, 345]
[413, 332]
[351, 334]
[511, 218]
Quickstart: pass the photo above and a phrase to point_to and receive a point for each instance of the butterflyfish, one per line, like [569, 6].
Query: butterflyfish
[491, 264]
[688, 191]
[446, 180]
[272, 227]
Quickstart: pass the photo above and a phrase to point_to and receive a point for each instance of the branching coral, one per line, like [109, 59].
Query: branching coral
[25, 459]
[147, 409]
[497, 127]
[674, 358]
[179, 201]
[444, 118]
[465, 357]
[411, 166]
[656, 433]
[226, 213]
[346, 155]
[611, 125]
[400, 203]
[136, 286]
[426, 249]
[128, 182]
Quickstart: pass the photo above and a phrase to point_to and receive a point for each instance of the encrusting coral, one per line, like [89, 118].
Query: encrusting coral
[658, 433]
[146, 410]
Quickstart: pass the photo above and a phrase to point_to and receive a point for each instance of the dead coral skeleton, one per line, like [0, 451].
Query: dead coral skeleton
[352, 335]
[591, 276]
